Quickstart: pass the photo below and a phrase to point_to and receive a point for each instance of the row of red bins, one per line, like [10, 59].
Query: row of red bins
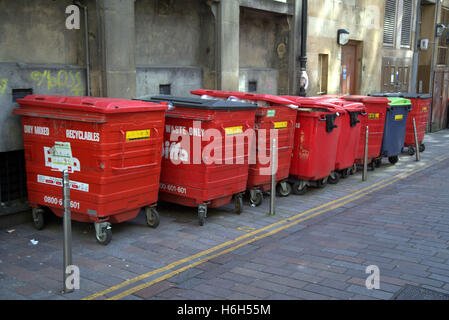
[213, 151]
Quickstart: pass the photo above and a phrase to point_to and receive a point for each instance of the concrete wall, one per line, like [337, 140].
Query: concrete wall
[359, 17]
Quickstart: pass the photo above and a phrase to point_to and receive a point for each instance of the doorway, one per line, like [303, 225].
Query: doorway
[349, 68]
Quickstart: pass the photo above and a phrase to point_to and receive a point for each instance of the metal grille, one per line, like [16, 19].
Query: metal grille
[12, 176]
[389, 22]
[252, 86]
[406, 29]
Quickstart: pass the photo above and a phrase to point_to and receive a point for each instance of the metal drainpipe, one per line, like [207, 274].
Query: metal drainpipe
[86, 40]
[303, 57]
[415, 48]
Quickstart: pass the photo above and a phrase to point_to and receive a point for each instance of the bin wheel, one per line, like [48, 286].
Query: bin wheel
[152, 217]
[103, 233]
[38, 218]
[393, 159]
[202, 214]
[299, 188]
[378, 163]
[284, 189]
[238, 204]
[411, 151]
[346, 172]
[255, 198]
[321, 183]
[333, 178]
[422, 147]
[372, 166]
[354, 169]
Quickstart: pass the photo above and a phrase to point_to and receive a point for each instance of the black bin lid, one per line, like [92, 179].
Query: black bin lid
[407, 95]
[199, 103]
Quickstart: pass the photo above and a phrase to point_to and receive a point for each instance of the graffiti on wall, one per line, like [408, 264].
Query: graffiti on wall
[3, 85]
[61, 79]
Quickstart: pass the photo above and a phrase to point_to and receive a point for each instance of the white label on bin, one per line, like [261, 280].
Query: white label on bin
[58, 182]
[82, 135]
[42, 131]
[59, 157]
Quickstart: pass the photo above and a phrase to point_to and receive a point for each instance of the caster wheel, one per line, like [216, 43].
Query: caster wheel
[38, 218]
[411, 151]
[346, 172]
[238, 204]
[378, 163]
[422, 147]
[202, 214]
[333, 178]
[299, 187]
[354, 169]
[256, 198]
[372, 166]
[284, 189]
[393, 159]
[152, 217]
[103, 233]
[321, 183]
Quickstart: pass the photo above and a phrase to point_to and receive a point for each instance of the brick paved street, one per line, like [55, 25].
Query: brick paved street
[317, 246]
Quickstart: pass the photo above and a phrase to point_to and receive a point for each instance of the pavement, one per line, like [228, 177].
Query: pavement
[317, 246]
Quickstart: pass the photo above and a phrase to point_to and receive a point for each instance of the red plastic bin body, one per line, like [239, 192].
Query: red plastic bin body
[273, 113]
[111, 148]
[352, 114]
[191, 182]
[420, 111]
[315, 149]
[376, 109]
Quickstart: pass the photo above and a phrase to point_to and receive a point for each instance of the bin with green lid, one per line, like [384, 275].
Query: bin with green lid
[395, 125]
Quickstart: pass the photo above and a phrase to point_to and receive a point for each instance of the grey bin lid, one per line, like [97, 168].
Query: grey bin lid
[198, 103]
[407, 95]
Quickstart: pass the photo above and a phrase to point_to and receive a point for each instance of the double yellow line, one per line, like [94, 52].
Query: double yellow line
[286, 223]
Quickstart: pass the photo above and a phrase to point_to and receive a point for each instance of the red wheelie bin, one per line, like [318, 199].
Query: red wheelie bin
[318, 127]
[206, 152]
[111, 149]
[352, 114]
[376, 109]
[276, 113]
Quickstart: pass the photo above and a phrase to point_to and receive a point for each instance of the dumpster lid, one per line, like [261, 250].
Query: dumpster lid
[90, 104]
[245, 96]
[347, 105]
[407, 95]
[396, 101]
[199, 103]
[368, 99]
[319, 105]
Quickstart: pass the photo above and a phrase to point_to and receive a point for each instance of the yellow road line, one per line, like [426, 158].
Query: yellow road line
[192, 265]
[245, 236]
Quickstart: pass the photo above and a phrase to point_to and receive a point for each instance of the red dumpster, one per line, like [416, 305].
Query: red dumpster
[111, 149]
[273, 113]
[376, 108]
[352, 114]
[206, 152]
[317, 132]
[420, 112]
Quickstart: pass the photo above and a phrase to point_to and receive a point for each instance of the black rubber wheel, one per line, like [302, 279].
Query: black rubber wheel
[257, 199]
[353, 170]
[345, 173]
[393, 159]
[298, 189]
[104, 237]
[378, 163]
[422, 147]
[411, 151]
[38, 218]
[238, 204]
[321, 183]
[202, 214]
[284, 192]
[372, 166]
[333, 178]
[152, 217]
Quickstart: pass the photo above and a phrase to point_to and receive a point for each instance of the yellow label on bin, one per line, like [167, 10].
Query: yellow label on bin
[137, 135]
[424, 109]
[233, 130]
[280, 125]
[399, 117]
[373, 116]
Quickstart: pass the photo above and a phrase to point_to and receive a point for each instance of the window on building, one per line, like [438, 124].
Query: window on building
[398, 21]
[165, 89]
[390, 22]
[252, 86]
[323, 67]
[443, 41]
